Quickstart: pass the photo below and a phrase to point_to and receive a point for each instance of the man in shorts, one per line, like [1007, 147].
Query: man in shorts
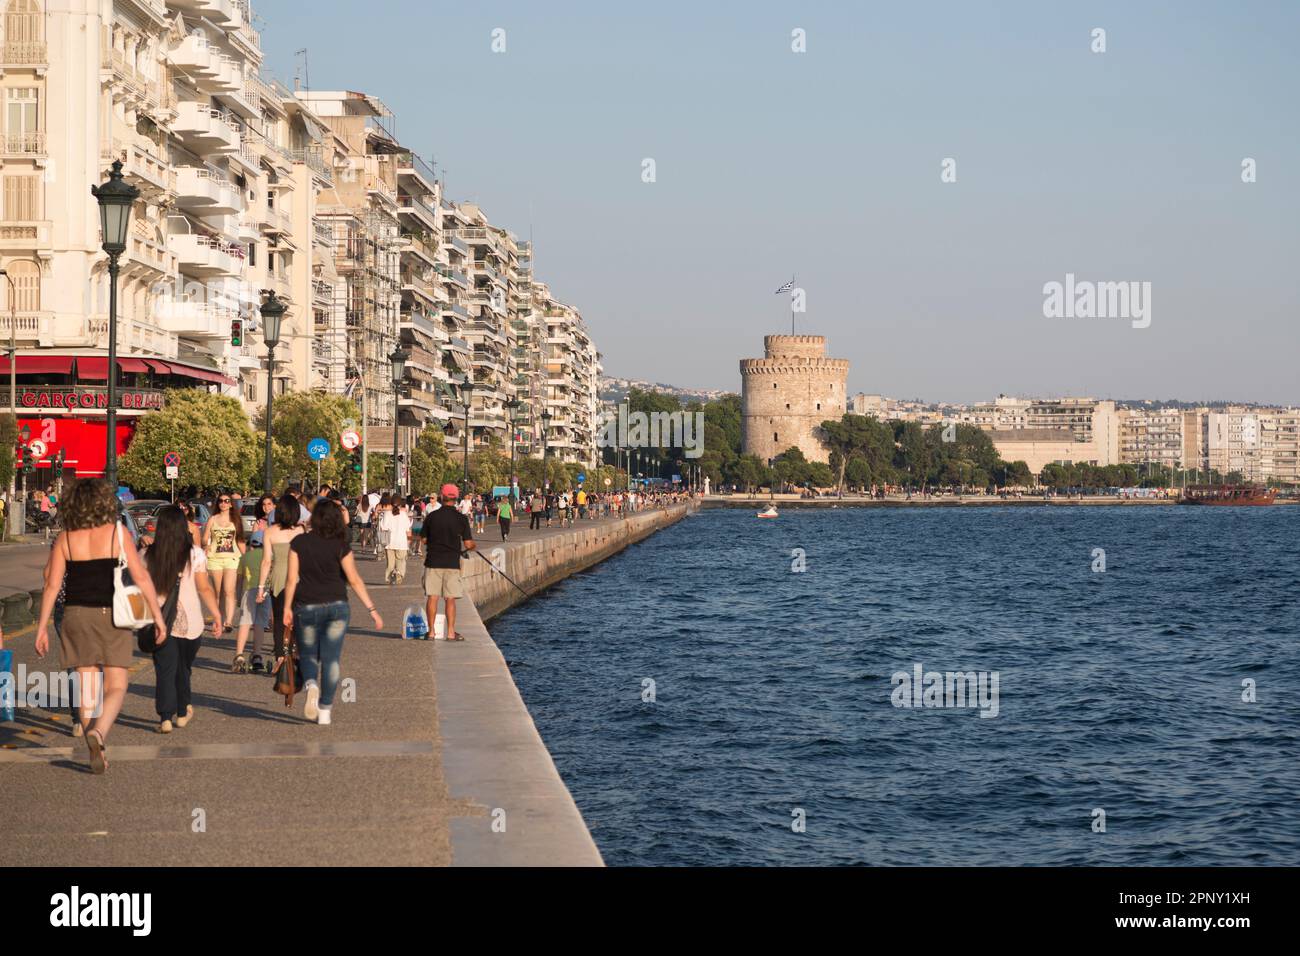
[446, 535]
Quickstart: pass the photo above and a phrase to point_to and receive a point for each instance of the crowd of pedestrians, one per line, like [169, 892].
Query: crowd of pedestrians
[287, 572]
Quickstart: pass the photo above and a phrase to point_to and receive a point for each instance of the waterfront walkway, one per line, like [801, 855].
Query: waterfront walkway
[434, 761]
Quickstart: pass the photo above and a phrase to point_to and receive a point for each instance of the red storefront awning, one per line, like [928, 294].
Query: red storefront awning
[202, 374]
[92, 367]
[132, 365]
[39, 365]
[162, 368]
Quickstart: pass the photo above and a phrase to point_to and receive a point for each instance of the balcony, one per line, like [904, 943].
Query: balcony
[206, 192]
[24, 236]
[206, 129]
[417, 209]
[28, 326]
[314, 158]
[33, 53]
[195, 318]
[23, 144]
[203, 255]
[423, 247]
[454, 276]
[195, 57]
[413, 167]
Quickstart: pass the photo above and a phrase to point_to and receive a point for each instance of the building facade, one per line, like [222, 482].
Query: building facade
[246, 187]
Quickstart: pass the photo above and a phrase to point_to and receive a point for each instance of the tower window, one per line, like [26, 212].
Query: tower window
[774, 436]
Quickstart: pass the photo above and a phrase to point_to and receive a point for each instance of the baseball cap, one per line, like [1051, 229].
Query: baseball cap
[450, 491]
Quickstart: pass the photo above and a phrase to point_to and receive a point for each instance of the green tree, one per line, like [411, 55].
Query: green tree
[302, 416]
[424, 479]
[852, 434]
[211, 434]
[791, 467]
[433, 443]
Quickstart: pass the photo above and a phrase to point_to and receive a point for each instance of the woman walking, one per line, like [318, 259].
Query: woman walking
[362, 521]
[275, 567]
[504, 514]
[223, 540]
[398, 525]
[253, 616]
[83, 558]
[321, 567]
[174, 562]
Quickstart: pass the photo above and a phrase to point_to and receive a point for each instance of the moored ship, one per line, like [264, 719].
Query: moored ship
[1228, 495]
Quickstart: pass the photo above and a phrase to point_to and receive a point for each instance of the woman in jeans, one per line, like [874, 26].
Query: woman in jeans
[321, 567]
[174, 562]
[87, 551]
[275, 567]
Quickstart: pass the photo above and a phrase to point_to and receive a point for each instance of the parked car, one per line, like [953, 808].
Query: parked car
[143, 515]
[248, 514]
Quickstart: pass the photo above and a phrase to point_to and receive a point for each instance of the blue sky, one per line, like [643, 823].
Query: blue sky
[1123, 165]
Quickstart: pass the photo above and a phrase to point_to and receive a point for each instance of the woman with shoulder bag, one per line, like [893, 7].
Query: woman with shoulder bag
[275, 568]
[178, 569]
[86, 558]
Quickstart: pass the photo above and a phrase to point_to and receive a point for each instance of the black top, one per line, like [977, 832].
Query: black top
[90, 583]
[320, 569]
[444, 530]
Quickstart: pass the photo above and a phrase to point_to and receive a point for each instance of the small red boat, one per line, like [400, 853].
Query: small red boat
[1228, 495]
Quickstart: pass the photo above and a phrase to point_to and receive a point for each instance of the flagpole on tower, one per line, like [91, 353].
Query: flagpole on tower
[792, 282]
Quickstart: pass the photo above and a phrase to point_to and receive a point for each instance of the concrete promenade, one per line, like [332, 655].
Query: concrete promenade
[433, 761]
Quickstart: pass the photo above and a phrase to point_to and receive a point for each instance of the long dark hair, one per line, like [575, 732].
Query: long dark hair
[169, 555]
[233, 516]
[287, 513]
[327, 520]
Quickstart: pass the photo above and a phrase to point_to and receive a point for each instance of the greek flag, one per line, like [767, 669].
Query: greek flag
[788, 287]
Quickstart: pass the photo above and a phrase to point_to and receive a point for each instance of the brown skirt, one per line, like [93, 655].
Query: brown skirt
[89, 639]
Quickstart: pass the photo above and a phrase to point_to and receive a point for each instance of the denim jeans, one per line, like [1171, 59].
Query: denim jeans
[319, 630]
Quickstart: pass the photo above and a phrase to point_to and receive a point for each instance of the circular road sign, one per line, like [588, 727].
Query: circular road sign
[350, 439]
[318, 449]
[38, 449]
[172, 460]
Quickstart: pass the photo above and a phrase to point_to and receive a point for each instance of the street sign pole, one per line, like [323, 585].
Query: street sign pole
[317, 476]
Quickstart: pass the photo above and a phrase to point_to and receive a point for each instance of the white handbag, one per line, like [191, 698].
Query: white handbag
[130, 609]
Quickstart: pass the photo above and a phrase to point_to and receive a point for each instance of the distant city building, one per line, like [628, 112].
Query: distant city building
[1152, 436]
[1065, 431]
[787, 394]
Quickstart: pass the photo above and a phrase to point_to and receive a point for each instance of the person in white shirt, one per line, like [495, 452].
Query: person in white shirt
[398, 524]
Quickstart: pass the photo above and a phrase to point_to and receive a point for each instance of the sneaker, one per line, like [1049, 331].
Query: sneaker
[310, 710]
[165, 727]
[189, 715]
[258, 666]
[323, 717]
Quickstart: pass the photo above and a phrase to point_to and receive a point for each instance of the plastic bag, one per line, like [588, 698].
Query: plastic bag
[415, 625]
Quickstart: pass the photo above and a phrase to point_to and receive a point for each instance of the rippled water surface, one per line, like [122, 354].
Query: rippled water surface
[1119, 690]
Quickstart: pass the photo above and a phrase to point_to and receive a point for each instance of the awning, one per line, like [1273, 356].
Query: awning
[39, 365]
[132, 365]
[161, 368]
[202, 374]
[93, 367]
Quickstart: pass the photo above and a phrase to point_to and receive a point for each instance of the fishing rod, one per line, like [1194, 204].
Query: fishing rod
[502, 573]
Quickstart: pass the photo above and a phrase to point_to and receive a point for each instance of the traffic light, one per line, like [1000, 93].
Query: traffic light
[236, 332]
[356, 461]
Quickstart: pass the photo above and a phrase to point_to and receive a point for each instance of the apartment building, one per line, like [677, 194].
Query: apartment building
[1062, 431]
[1279, 445]
[245, 187]
[1152, 436]
[172, 91]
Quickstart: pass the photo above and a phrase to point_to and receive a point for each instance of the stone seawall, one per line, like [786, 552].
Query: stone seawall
[536, 565]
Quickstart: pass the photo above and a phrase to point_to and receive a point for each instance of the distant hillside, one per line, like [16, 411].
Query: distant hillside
[614, 390]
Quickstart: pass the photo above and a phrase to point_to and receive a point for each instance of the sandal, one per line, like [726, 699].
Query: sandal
[98, 752]
[240, 666]
[456, 636]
